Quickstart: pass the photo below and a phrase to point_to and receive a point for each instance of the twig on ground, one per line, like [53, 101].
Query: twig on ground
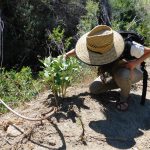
[27, 135]
[44, 114]
[7, 141]
[82, 136]
[5, 124]
[27, 118]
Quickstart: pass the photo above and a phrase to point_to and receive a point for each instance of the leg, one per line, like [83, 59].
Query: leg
[97, 86]
[123, 80]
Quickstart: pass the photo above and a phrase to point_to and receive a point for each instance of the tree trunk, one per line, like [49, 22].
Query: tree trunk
[1, 36]
[105, 12]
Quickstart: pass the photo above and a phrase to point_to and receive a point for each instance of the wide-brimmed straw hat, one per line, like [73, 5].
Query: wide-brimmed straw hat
[100, 46]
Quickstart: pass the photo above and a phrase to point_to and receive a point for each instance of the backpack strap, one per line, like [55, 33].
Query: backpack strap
[145, 78]
[132, 36]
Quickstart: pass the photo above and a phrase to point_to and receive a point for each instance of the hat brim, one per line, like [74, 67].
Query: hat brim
[93, 58]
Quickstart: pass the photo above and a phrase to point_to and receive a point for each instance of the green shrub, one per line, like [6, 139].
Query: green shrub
[88, 21]
[17, 87]
[60, 73]
[25, 24]
[131, 15]
[56, 42]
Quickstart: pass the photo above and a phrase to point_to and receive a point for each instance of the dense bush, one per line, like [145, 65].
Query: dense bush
[57, 44]
[89, 20]
[131, 15]
[25, 24]
[17, 87]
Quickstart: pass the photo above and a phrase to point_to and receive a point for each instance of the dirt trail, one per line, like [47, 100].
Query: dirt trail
[104, 126]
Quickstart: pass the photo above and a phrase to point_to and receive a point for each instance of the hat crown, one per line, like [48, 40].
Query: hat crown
[100, 46]
[100, 39]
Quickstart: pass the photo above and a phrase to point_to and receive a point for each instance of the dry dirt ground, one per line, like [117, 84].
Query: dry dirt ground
[84, 122]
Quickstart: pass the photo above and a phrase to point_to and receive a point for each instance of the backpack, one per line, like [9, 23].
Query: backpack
[132, 36]
[128, 37]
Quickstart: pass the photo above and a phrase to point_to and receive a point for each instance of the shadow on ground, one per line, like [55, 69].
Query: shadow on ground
[121, 128]
[70, 106]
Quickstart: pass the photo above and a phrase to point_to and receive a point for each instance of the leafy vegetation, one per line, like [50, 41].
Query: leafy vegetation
[60, 73]
[25, 24]
[56, 42]
[88, 21]
[18, 87]
[131, 15]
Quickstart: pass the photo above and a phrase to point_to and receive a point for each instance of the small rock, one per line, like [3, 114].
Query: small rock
[12, 131]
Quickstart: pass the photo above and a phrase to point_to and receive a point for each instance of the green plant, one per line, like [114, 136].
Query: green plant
[18, 87]
[131, 15]
[88, 21]
[59, 74]
[25, 24]
[56, 41]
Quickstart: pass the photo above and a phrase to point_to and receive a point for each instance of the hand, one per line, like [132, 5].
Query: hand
[131, 66]
[65, 56]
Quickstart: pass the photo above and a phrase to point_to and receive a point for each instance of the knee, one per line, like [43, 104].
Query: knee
[122, 78]
[122, 74]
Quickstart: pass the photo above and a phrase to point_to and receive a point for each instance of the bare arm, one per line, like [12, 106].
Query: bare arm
[145, 56]
[70, 53]
[132, 64]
